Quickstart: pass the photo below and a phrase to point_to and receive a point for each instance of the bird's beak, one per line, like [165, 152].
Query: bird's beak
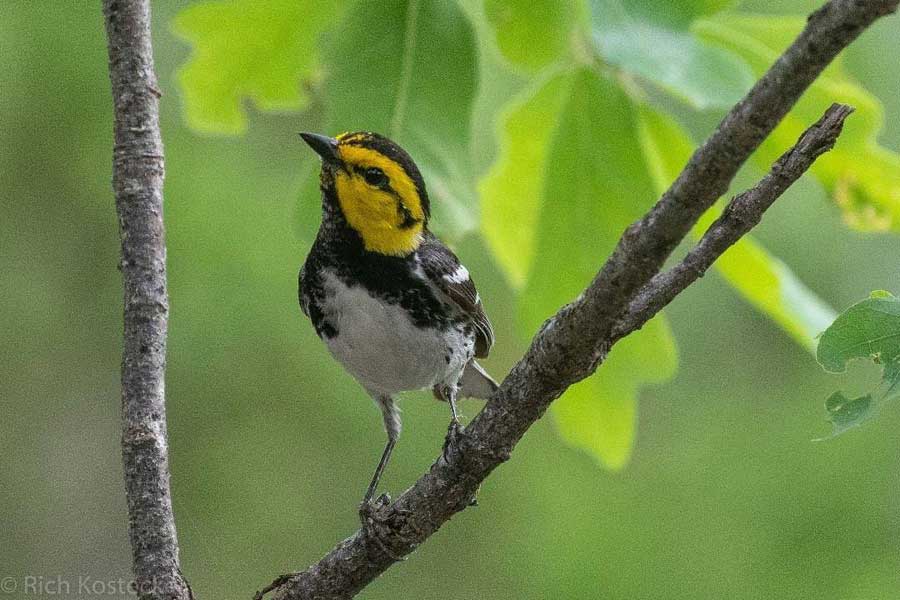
[324, 146]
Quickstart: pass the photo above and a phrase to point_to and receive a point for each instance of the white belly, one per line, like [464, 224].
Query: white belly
[382, 348]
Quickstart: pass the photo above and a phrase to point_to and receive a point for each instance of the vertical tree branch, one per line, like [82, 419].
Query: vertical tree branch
[137, 181]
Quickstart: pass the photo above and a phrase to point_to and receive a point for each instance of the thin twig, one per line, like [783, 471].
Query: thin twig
[571, 344]
[742, 214]
[137, 181]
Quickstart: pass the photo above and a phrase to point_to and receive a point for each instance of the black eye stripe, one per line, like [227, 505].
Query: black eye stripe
[408, 220]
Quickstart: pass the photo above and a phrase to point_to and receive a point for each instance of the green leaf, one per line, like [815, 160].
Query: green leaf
[677, 15]
[869, 329]
[862, 176]
[594, 184]
[762, 279]
[845, 413]
[512, 189]
[690, 69]
[256, 50]
[533, 33]
[498, 81]
[408, 69]
[599, 414]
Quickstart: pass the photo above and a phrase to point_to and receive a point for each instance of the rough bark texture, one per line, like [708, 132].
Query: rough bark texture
[622, 296]
[137, 182]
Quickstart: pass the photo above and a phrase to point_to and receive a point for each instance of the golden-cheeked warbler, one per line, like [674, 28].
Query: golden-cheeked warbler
[392, 303]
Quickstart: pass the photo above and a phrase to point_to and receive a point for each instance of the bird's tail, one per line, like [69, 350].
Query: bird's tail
[475, 382]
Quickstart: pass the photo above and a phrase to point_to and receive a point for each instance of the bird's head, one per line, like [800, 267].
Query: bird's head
[377, 188]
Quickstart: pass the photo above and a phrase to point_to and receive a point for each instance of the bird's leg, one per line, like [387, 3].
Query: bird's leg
[374, 524]
[391, 415]
[448, 393]
[455, 429]
[451, 400]
[379, 470]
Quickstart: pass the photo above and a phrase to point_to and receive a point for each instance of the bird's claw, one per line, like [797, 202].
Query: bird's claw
[451, 442]
[374, 524]
[368, 509]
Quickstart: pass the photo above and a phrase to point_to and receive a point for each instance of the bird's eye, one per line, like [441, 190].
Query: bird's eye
[375, 176]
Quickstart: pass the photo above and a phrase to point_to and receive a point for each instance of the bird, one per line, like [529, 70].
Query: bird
[393, 304]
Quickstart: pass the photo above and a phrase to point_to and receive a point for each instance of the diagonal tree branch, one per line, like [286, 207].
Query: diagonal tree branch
[450, 485]
[742, 214]
[137, 181]
[623, 295]
[645, 246]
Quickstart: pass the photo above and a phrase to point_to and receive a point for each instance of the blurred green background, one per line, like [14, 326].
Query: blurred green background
[272, 443]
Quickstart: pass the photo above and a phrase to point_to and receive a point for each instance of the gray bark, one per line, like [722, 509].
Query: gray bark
[137, 183]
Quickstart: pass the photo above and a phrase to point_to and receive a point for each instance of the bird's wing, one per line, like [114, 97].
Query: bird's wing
[444, 270]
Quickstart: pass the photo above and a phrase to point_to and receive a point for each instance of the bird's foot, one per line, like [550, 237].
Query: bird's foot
[374, 524]
[451, 442]
[368, 508]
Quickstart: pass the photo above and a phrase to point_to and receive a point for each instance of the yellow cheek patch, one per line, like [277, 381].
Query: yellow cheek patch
[374, 212]
[400, 182]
